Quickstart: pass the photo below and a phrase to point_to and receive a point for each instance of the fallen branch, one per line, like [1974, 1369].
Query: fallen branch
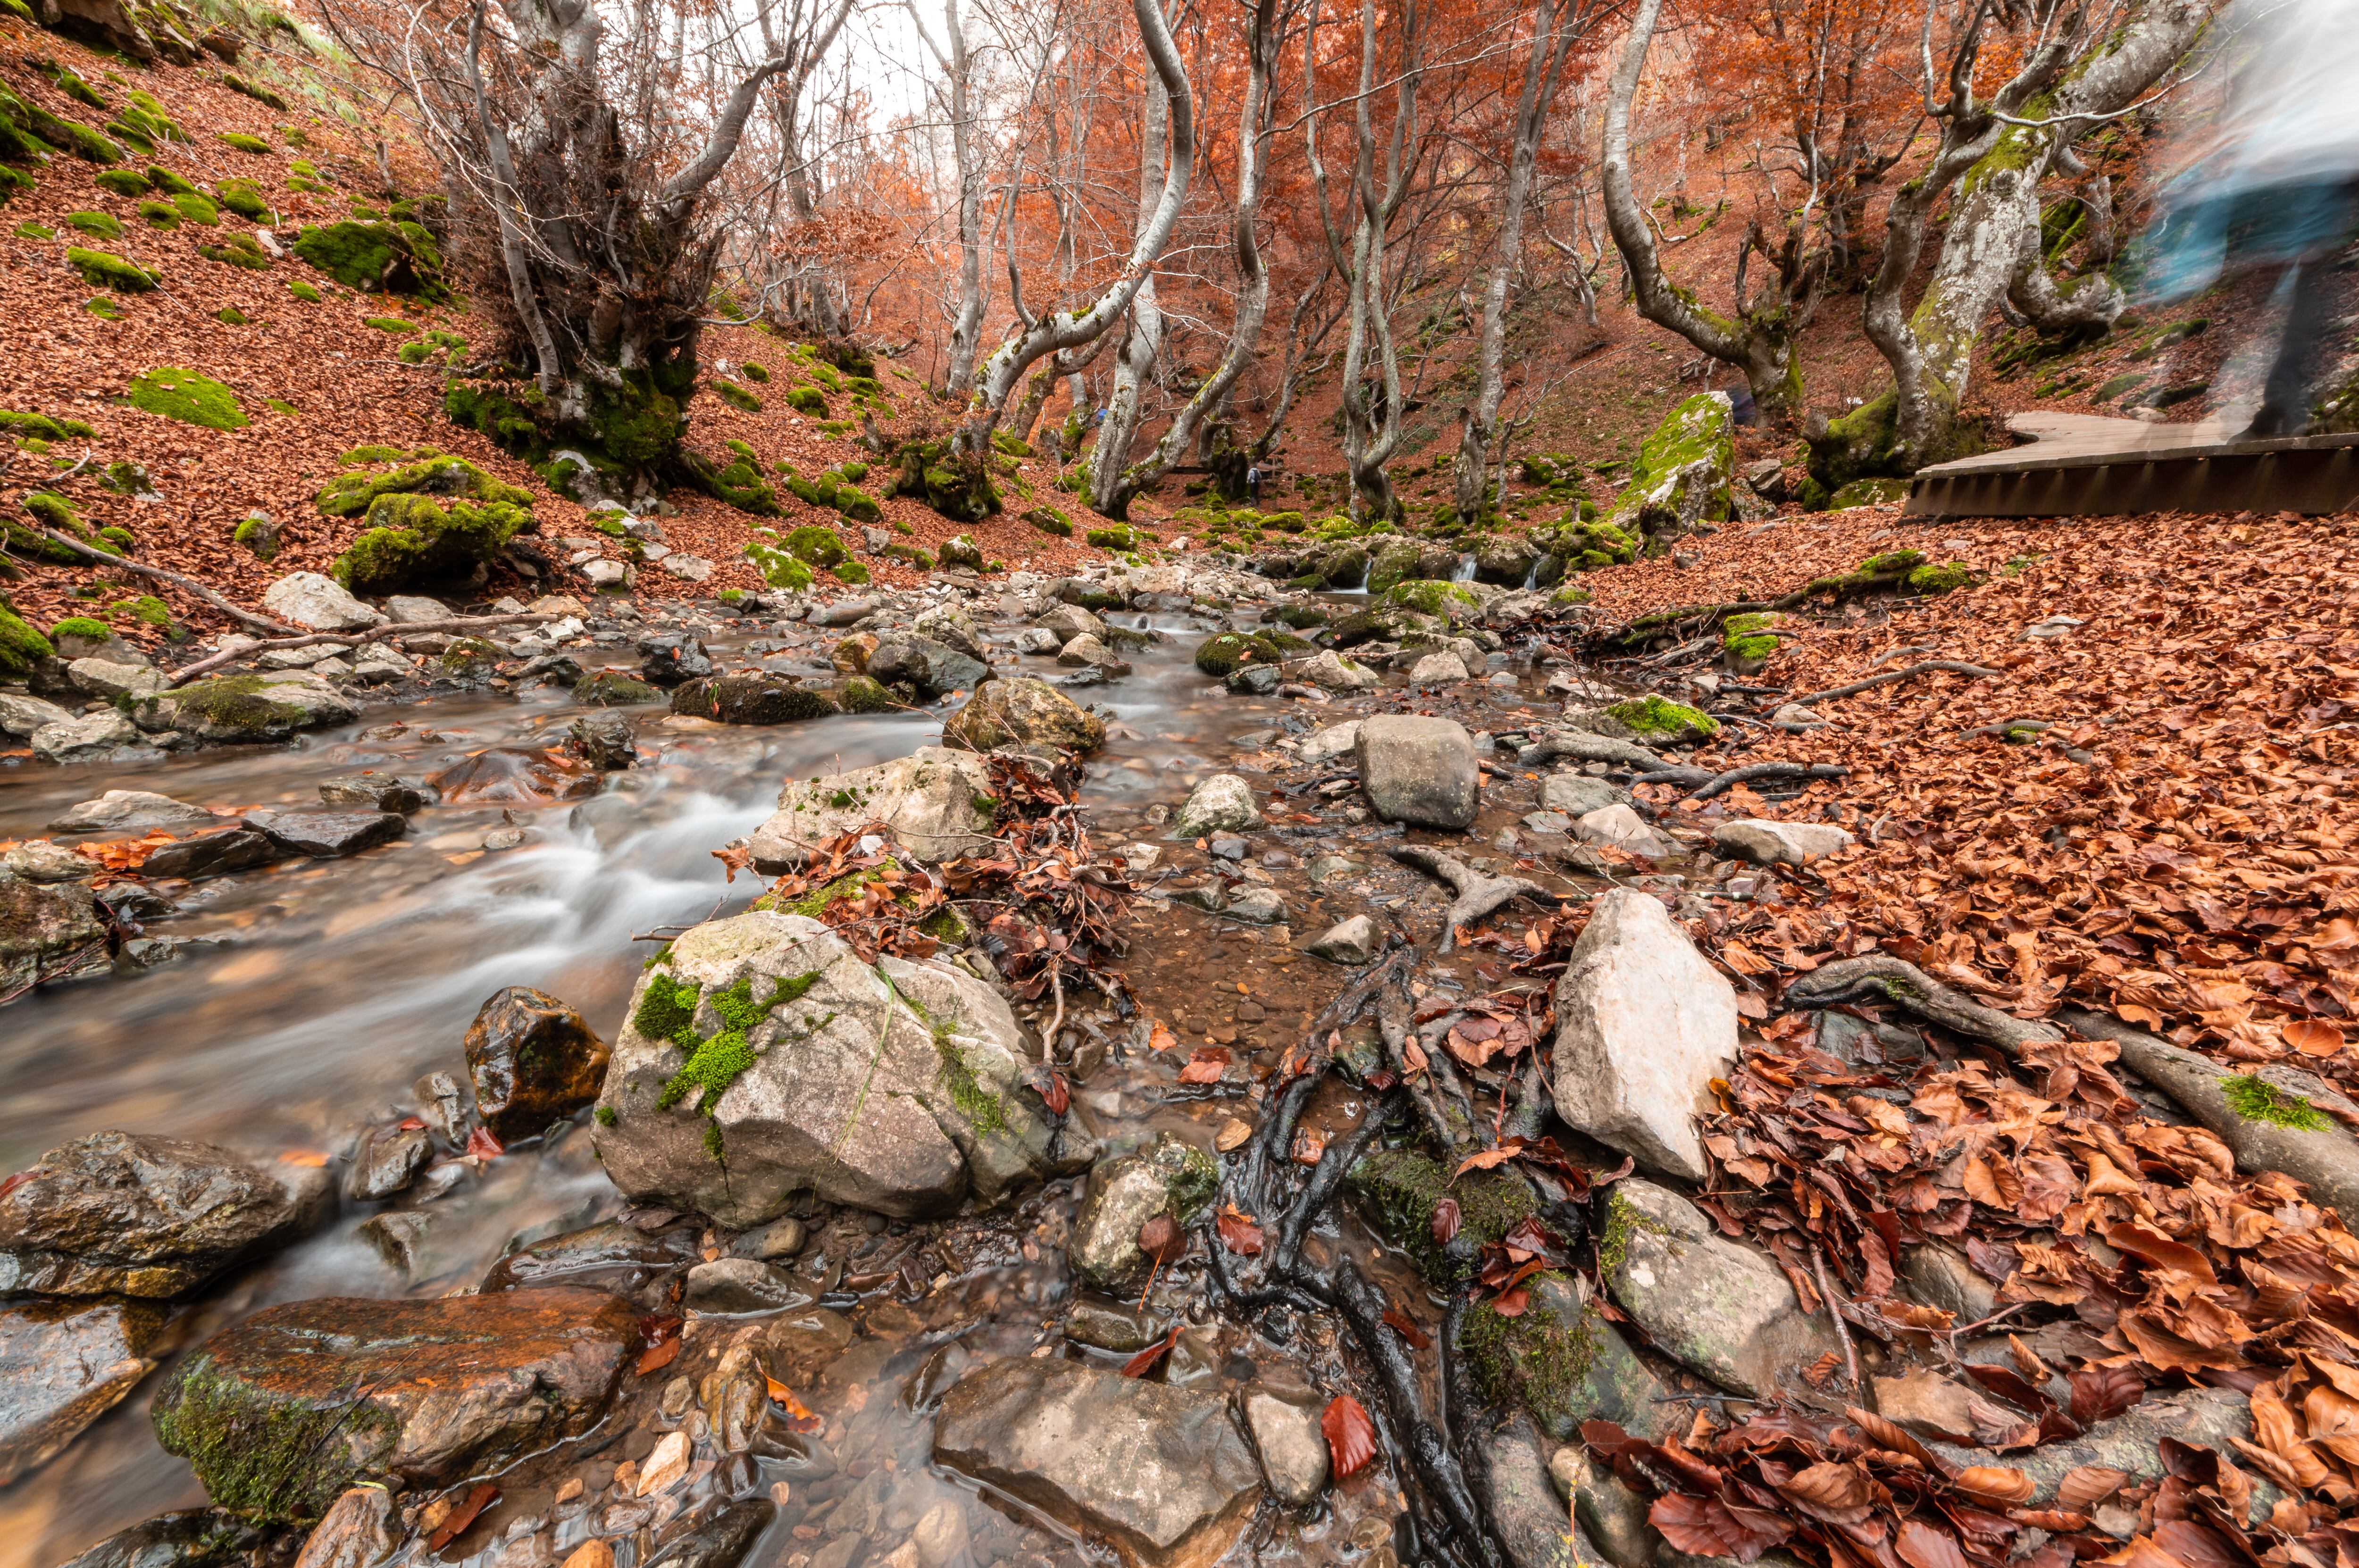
[1954, 666]
[1723, 782]
[1478, 895]
[353, 639]
[2036, 726]
[1879, 976]
[1582, 747]
[190, 584]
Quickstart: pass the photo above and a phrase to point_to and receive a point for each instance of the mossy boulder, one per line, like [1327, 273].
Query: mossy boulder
[1647, 720]
[377, 257]
[22, 646]
[104, 269]
[739, 483]
[1219, 656]
[1748, 641]
[415, 539]
[1453, 601]
[754, 698]
[779, 566]
[957, 487]
[1120, 537]
[1586, 546]
[1026, 714]
[100, 225]
[736, 396]
[1400, 1189]
[188, 396]
[434, 473]
[1869, 493]
[1685, 474]
[609, 688]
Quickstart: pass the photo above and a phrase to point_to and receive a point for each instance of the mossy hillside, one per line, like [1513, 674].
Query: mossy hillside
[98, 225]
[1751, 637]
[184, 394]
[958, 488]
[413, 540]
[1586, 546]
[1401, 1189]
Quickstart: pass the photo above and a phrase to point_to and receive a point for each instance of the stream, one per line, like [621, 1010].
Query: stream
[317, 991]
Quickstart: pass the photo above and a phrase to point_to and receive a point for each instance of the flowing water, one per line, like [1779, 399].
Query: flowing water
[318, 990]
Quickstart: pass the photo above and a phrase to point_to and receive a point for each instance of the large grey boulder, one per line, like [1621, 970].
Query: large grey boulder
[1684, 472]
[137, 1214]
[1719, 1308]
[1444, 668]
[63, 1364]
[1026, 715]
[106, 680]
[1578, 794]
[931, 667]
[96, 737]
[1070, 620]
[954, 627]
[317, 604]
[1159, 1473]
[763, 1059]
[1330, 671]
[1222, 804]
[1644, 1024]
[279, 1414]
[1419, 771]
[937, 803]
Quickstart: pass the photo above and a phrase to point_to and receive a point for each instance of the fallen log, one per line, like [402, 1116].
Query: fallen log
[189, 584]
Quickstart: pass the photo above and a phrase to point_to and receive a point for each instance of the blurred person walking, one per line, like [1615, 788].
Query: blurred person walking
[2275, 186]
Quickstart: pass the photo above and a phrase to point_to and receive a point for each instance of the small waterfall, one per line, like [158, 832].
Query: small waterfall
[1465, 572]
[1532, 577]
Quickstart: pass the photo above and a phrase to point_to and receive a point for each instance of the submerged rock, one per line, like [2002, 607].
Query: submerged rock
[936, 802]
[1159, 1473]
[185, 1538]
[609, 1257]
[534, 1061]
[388, 1159]
[1171, 1174]
[137, 1214]
[281, 1413]
[763, 1059]
[1644, 1024]
[1287, 1437]
[328, 835]
[1023, 714]
[63, 1364]
[1419, 771]
[377, 790]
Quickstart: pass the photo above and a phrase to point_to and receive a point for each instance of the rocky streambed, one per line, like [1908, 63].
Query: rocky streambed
[1234, 1082]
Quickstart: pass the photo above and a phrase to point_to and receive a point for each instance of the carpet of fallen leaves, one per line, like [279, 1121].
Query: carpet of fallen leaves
[2173, 847]
[341, 377]
[2196, 875]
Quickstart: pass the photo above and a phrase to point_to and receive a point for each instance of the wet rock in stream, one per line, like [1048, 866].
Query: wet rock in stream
[47, 932]
[937, 801]
[1170, 1175]
[1161, 1474]
[534, 1061]
[144, 1215]
[282, 1412]
[613, 1257]
[1023, 714]
[1419, 771]
[63, 1364]
[763, 1059]
[123, 810]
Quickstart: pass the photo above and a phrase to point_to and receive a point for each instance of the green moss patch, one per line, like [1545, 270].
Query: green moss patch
[1534, 1357]
[186, 396]
[736, 396]
[350, 495]
[21, 646]
[43, 426]
[243, 142]
[391, 324]
[1947, 578]
[104, 269]
[377, 257]
[198, 209]
[1401, 1189]
[1432, 596]
[303, 291]
[101, 225]
[415, 539]
[2255, 1098]
[161, 214]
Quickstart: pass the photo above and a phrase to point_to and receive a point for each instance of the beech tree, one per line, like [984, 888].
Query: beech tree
[583, 163]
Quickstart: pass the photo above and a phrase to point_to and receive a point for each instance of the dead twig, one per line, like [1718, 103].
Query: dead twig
[1834, 1313]
[188, 583]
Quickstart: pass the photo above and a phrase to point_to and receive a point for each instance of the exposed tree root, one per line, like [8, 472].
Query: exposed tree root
[1956, 667]
[1879, 976]
[1720, 783]
[190, 584]
[1478, 895]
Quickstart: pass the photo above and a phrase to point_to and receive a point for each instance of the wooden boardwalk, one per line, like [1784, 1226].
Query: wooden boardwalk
[2087, 465]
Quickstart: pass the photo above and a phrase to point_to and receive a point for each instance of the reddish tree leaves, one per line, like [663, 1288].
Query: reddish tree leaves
[1350, 1435]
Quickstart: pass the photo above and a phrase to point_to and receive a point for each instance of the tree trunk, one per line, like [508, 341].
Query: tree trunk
[1254, 132]
[1996, 154]
[1760, 339]
[1552, 36]
[1134, 361]
[966, 322]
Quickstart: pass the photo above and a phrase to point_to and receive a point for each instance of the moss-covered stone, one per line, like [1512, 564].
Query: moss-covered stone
[99, 225]
[1401, 1188]
[171, 184]
[242, 141]
[303, 291]
[184, 394]
[805, 400]
[393, 325]
[1049, 520]
[739, 483]
[243, 198]
[1685, 473]
[43, 426]
[736, 396]
[857, 504]
[259, 535]
[1120, 537]
[1869, 493]
[1453, 600]
[351, 495]
[237, 250]
[21, 644]
[779, 566]
[373, 257]
[1947, 578]
[198, 208]
[413, 539]
[104, 269]
[1219, 656]
[958, 488]
[1649, 722]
